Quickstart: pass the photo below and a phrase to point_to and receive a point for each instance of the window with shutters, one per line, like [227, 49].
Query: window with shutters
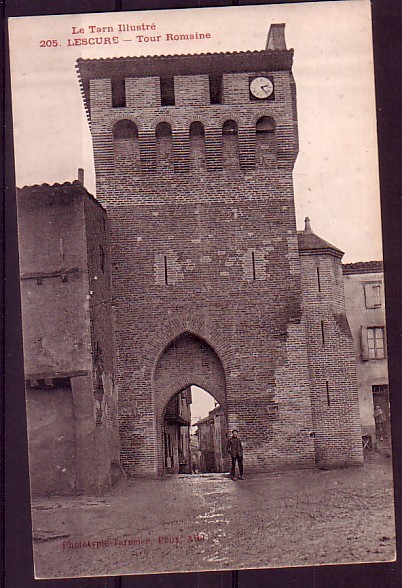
[372, 295]
[376, 343]
[373, 343]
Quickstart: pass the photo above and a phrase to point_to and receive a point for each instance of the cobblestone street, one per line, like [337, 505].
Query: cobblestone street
[208, 522]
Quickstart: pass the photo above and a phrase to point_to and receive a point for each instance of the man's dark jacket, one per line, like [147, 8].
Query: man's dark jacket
[234, 447]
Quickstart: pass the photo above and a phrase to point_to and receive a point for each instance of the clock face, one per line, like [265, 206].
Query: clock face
[261, 87]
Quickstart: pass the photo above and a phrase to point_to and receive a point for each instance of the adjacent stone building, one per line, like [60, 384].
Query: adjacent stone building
[213, 286]
[69, 356]
[364, 292]
[212, 440]
[176, 434]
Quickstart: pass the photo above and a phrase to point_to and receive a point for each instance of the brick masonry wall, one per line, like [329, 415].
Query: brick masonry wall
[205, 255]
[201, 232]
[147, 116]
[210, 292]
[331, 363]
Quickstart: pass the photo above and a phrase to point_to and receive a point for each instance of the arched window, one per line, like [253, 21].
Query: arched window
[265, 142]
[126, 146]
[230, 144]
[197, 146]
[164, 146]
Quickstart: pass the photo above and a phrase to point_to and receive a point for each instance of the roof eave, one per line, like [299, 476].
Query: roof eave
[323, 251]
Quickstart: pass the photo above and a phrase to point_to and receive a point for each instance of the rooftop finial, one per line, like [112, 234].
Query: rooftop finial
[307, 225]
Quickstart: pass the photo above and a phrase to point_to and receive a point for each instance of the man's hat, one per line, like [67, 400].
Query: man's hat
[235, 431]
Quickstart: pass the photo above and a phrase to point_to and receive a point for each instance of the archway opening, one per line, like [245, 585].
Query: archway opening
[194, 433]
[189, 388]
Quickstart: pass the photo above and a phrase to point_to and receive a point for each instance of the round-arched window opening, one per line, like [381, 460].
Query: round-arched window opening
[229, 128]
[197, 146]
[126, 146]
[265, 142]
[265, 124]
[164, 146]
[125, 129]
[197, 129]
[163, 129]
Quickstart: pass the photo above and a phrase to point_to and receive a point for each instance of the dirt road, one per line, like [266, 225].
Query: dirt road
[208, 522]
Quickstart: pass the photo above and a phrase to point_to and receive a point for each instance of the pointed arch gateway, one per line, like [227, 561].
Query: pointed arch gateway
[187, 360]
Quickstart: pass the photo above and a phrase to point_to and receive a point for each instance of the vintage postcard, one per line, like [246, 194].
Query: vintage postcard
[202, 289]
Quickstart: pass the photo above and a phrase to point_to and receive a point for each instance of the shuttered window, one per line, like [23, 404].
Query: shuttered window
[372, 295]
[373, 343]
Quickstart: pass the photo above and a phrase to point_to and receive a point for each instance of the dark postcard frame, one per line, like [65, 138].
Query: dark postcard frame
[18, 568]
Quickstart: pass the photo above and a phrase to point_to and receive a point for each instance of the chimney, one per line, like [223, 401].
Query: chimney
[81, 175]
[276, 38]
[307, 225]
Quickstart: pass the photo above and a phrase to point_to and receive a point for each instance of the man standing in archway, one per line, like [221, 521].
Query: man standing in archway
[235, 449]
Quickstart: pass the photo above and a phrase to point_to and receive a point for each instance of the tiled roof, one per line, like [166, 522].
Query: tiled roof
[309, 242]
[363, 267]
[277, 58]
[45, 186]
[180, 64]
[74, 187]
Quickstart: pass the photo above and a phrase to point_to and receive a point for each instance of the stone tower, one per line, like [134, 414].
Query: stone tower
[194, 157]
[332, 364]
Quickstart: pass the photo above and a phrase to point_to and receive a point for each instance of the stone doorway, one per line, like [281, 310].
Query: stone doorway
[382, 418]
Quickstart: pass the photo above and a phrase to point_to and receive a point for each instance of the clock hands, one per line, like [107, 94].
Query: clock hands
[261, 87]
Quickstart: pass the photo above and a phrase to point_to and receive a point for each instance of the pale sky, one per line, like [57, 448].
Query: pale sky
[202, 403]
[336, 173]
